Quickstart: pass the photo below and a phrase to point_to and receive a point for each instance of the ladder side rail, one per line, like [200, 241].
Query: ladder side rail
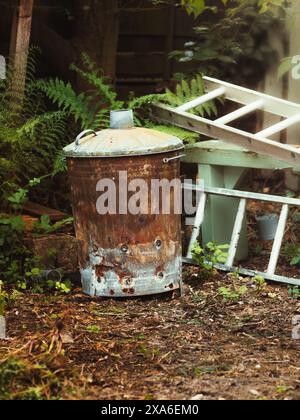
[198, 223]
[236, 234]
[249, 273]
[244, 194]
[278, 240]
[286, 153]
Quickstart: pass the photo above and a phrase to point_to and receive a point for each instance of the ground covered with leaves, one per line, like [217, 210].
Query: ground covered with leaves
[228, 338]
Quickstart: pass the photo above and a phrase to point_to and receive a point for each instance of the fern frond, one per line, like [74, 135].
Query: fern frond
[65, 97]
[187, 91]
[104, 92]
[142, 101]
[102, 120]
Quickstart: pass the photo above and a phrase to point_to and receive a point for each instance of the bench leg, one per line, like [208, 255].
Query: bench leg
[221, 212]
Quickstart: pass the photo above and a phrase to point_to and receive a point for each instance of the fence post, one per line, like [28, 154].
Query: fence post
[20, 41]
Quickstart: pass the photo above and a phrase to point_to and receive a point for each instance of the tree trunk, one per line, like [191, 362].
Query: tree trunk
[19, 49]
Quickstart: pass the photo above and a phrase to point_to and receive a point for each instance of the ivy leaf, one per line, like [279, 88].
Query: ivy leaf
[284, 67]
[195, 7]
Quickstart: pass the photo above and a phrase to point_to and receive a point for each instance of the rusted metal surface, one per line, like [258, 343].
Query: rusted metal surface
[125, 255]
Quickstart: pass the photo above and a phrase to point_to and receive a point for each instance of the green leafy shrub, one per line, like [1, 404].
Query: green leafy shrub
[292, 253]
[91, 109]
[210, 255]
[30, 135]
[24, 379]
[294, 292]
[3, 299]
[232, 294]
[232, 41]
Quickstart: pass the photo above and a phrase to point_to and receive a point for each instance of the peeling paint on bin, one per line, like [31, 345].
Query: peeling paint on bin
[125, 255]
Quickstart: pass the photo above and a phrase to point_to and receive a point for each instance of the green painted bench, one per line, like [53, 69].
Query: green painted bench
[223, 165]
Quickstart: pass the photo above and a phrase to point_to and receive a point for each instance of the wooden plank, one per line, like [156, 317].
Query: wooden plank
[111, 38]
[245, 96]
[141, 64]
[151, 21]
[35, 209]
[228, 134]
[169, 43]
[215, 152]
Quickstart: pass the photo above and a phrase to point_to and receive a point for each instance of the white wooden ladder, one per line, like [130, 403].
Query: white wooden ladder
[286, 202]
[221, 130]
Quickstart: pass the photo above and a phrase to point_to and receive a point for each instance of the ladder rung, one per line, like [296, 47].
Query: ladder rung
[242, 95]
[278, 240]
[240, 112]
[202, 99]
[198, 223]
[236, 234]
[268, 132]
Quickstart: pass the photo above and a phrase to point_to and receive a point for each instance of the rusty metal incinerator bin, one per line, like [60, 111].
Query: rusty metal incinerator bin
[125, 252]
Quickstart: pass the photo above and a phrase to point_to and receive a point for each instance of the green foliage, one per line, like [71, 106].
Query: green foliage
[93, 329]
[294, 292]
[29, 135]
[90, 109]
[197, 7]
[233, 43]
[23, 379]
[187, 91]
[44, 226]
[285, 66]
[18, 267]
[210, 255]
[38, 283]
[259, 283]
[232, 294]
[3, 299]
[13, 253]
[292, 253]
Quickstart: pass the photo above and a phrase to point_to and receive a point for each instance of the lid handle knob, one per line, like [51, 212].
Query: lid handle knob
[121, 119]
